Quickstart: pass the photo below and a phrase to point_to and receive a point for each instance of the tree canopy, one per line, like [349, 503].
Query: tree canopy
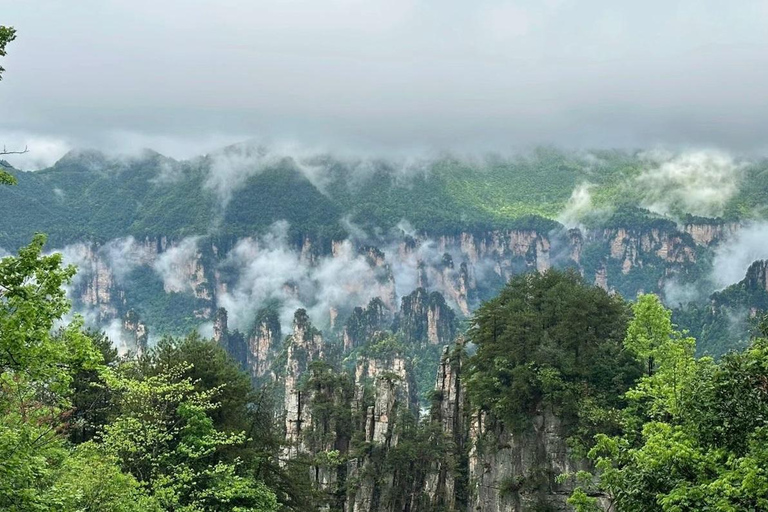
[550, 340]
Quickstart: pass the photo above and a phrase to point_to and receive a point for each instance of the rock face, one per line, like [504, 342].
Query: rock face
[464, 268]
[97, 287]
[448, 412]
[458, 284]
[514, 250]
[356, 432]
[426, 318]
[516, 472]
[630, 247]
[232, 341]
[710, 234]
[305, 345]
[136, 331]
[364, 323]
[263, 343]
[379, 420]
[757, 276]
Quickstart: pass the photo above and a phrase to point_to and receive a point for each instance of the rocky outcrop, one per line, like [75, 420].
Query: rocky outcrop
[305, 345]
[514, 250]
[263, 343]
[365, 323]
[636, 248]
[448, 412]
[757, 276]
[516, 472]
[98, 288]
[457, 283]
[220, 320]
[392, 396]
[710, 234]
[426, 318]
[232, 341]
[135, 332]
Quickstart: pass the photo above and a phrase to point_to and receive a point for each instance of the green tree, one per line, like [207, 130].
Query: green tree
[550, 339]
[698, 440]
[241, 408]
[651, 327]
[164, 436]
[38, 470]
[7, 34]
[668, 353]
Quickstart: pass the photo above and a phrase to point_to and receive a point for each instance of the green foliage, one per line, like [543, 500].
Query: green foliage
[87, 195]
[168, 313]
[91, 481]
[7, 34]
[91, 406]
[650, 328]
[146, 434]
[31, 300]
[550, 339]
[696, 439]
[164, 436]
[39, 371]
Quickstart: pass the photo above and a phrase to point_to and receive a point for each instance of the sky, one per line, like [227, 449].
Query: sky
[186, 77]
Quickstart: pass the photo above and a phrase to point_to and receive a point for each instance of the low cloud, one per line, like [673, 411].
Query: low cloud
[696, 182]
[43, 151]
[123, 255]
[734, 255]
[176, 264]
[578, 206]
[269, 269]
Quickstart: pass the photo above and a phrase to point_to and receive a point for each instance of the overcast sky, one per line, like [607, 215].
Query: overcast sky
[187, 76]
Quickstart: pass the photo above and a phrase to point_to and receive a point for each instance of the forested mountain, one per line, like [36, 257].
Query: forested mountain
[379, 335]
[243, 189]
[170, 240]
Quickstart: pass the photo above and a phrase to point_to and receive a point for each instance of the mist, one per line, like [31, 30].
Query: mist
[733, 258]
[399, 75]
[697, 182]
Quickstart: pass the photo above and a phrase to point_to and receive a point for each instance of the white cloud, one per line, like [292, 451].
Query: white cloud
[176, 264]
[734, 255]
[43, 151]
[578, 205]
[698, 182]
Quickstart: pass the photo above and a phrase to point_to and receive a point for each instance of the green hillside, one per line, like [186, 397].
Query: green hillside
[88, 195]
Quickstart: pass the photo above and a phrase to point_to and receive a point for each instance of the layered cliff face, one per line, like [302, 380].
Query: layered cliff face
[757, 276]
[444, 485]
[487, 467]
[417, 286]
[710, 234]
[342, 425]
[513, 251]
[391, 400]
[135, 331]
[233, 341]
[367, 452]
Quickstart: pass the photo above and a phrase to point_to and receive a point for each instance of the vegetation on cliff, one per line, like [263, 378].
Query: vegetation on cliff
[551, 340]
